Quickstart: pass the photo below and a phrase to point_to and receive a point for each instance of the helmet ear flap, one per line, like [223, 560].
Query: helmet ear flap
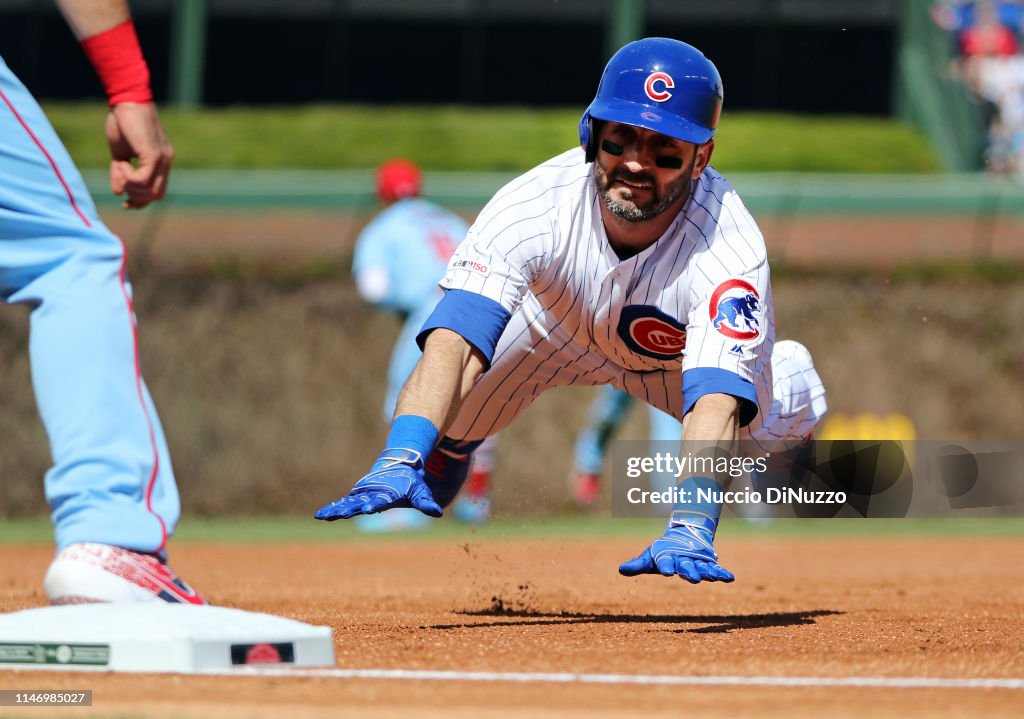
[589, 137]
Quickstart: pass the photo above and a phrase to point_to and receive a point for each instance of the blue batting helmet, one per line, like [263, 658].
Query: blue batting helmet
[658, 84]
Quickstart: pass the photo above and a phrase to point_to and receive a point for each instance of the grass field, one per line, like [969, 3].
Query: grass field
[291, 528]
[463, 138]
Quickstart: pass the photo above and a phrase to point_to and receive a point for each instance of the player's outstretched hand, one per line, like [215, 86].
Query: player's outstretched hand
[134, 133]
[395, 480]
[684, 549]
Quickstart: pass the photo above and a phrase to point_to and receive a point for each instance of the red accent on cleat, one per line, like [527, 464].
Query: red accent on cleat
[479, 484]
[586, 488]
[89, 572]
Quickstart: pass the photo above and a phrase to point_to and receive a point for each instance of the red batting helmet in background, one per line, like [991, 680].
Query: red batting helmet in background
[398, 179]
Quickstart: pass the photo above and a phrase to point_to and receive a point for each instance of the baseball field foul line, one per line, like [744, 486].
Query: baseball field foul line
[568, 678]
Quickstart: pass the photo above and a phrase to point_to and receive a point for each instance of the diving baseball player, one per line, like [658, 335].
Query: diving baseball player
[111, 488]
[628, 261]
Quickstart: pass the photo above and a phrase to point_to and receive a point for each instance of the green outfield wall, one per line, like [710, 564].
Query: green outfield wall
[785, 193]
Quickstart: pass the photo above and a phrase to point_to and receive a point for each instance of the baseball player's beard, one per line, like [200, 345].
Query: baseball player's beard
[626, 208]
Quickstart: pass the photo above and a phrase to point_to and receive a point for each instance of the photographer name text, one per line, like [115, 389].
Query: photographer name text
[772, 495]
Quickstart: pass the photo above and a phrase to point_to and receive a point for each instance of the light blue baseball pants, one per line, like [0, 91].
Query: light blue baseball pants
[112, 480]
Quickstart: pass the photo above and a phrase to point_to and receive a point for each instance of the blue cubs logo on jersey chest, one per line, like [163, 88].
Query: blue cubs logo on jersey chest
[649, 331]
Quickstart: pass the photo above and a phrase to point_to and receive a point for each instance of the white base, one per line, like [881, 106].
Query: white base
[157, 637]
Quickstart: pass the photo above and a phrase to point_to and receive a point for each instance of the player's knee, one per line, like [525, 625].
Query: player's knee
[791, 350]
[81, 272]
[459, 448]
[447, 468]
[98, 269]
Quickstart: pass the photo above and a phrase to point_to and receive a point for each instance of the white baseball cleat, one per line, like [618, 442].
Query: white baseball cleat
[87, 572]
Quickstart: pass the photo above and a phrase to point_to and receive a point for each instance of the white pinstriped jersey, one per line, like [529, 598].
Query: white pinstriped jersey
[697, 299]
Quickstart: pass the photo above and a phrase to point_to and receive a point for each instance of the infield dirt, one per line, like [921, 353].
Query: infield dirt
[801, 607]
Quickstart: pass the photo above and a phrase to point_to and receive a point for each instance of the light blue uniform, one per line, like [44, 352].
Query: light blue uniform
[407, 247]
[606, 415]
[112, 480]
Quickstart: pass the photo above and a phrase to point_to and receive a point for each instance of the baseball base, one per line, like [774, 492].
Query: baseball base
[157, 637]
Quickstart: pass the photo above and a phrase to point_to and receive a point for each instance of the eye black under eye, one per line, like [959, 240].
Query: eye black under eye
[669, 163]
[611, 148]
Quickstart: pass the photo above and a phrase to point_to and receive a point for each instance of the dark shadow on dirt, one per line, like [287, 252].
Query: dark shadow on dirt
[710, 623]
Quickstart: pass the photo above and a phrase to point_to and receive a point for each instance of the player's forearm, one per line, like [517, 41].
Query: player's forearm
[442, 378]
[91, 17]
[711, 426]
[107, 35]
[714, 418]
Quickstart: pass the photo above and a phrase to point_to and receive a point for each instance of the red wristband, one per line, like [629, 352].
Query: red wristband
[117, 57]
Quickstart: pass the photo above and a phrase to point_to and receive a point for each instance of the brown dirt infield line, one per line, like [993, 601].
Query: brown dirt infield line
[801, 607]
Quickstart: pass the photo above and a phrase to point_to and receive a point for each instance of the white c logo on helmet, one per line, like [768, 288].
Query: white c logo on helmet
[667, 83]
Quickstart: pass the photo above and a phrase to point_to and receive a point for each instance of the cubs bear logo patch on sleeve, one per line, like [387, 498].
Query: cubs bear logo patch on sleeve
[735, 310]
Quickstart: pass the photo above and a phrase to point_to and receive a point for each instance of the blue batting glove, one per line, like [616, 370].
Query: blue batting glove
[395, 480]
[685, 549]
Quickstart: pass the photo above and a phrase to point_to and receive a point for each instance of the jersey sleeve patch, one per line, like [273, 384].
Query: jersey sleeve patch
[712, 380]
[466, 265]
[736, 310]
[478, 319]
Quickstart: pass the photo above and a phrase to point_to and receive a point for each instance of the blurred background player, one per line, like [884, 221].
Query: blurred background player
[590, 451]
[400, 257]
[111, 489]
[601, 266]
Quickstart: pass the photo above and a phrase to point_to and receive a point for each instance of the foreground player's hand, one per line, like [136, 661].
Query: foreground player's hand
[134, 132]
[395, 480]
[684, 549]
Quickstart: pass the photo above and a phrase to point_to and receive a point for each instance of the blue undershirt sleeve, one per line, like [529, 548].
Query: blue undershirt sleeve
[478, 319]
[700, 381]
